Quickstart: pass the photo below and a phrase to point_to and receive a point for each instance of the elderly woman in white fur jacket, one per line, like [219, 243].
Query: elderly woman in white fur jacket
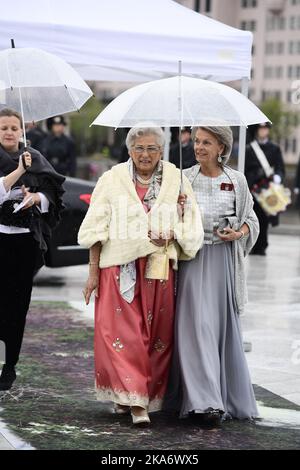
[136, 234]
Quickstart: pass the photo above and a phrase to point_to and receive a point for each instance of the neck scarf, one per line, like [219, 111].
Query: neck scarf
[128, 271]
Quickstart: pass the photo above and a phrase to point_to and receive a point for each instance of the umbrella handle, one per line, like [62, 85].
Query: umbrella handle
[23, 160]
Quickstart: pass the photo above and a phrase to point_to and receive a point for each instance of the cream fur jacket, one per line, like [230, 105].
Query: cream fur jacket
[117, 219]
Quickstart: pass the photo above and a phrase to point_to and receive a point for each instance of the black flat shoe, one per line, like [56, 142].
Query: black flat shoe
[209, 419]
[258, 252]
[8, 376]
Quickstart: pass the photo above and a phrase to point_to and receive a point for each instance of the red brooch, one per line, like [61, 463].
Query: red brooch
[227, 187]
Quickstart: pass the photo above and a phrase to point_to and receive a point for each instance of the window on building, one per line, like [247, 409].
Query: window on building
[292, 22]
[248, 3]
[279, 72]
[286, 145]
[276, 23]
[269, 48]
[268, 72]
[277, 95]
[252, 25]
[294, 145]
[290, 71]
[291, 47]
[197, 5]
[281, 23]
[289, 96]
[280, 47]
[208, 6]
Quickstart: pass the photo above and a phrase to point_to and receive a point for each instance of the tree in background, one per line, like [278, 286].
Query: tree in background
[88, 140]
[284, 121]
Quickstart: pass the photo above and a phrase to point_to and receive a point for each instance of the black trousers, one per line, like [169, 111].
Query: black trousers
[18, 254]
[264, 220]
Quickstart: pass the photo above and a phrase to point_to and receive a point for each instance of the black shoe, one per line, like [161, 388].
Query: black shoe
[8, 376]
[209, 419]
[258, 252]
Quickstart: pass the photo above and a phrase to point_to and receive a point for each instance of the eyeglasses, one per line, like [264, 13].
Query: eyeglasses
[151, 150]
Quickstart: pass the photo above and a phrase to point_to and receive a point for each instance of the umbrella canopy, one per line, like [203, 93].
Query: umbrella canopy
[39, 85]
[180, 101]
[132, 40]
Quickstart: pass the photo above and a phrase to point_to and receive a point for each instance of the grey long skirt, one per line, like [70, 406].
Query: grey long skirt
[209, 367]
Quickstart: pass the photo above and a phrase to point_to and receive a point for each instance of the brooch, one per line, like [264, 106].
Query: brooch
[227, 187]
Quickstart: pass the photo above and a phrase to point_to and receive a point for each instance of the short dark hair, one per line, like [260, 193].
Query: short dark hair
[7, 112]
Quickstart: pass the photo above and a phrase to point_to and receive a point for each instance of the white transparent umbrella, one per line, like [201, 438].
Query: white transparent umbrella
[180, 101]
[39, 85]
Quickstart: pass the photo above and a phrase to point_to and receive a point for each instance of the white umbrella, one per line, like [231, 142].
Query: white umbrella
[180, 101]
[39, 85]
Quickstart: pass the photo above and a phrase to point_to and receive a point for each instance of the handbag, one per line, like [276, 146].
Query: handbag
[22, 218]
[157, 266]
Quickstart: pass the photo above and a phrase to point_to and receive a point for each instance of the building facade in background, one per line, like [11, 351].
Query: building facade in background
[275, 25]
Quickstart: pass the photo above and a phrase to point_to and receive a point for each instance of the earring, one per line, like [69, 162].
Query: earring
[220, 158]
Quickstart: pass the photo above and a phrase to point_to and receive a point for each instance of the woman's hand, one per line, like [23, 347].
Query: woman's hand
[27, 161]
[34, 198]
[162, 238]
[92, 284]
[229, 235]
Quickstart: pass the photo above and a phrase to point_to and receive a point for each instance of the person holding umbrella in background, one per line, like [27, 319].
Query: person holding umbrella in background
[23, 233]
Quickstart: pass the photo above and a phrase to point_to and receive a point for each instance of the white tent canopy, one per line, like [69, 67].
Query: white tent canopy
[128, 40]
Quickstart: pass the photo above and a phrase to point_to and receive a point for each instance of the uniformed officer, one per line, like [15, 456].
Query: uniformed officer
[257, 178]
[58, 148]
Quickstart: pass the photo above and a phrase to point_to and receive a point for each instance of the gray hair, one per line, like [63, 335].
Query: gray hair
[136, 132]
[224, 136]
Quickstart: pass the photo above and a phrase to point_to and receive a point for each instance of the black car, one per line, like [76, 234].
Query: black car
[63, 249]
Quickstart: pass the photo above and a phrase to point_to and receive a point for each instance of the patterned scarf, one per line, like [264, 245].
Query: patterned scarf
[128, 271]
[154, 188]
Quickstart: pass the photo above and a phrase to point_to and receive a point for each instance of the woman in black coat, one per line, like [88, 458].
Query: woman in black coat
[24, 234]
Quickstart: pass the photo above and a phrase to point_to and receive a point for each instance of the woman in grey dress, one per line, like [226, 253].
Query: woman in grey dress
[214, 380]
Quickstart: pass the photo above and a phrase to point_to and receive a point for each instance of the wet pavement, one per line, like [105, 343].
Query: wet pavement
[271, 324]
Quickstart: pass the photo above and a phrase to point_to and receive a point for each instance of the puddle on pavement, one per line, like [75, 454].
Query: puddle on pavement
[278, 417]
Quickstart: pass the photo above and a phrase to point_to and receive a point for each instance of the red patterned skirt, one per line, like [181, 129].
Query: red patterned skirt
[133, 341]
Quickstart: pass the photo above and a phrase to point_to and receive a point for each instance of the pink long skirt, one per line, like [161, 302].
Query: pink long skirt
[133, 342]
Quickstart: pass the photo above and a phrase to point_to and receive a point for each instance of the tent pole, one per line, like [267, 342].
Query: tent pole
[180, 109]
[243, 130]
